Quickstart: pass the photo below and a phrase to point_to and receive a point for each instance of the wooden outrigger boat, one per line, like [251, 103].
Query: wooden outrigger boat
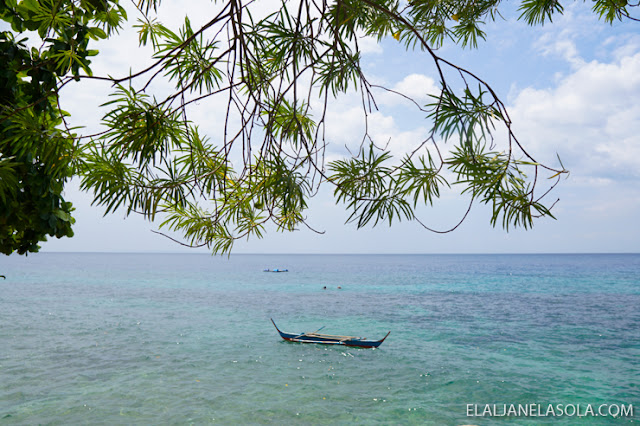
[330, 339]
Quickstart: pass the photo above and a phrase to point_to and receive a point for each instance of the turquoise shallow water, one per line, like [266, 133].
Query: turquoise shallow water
[155, 338]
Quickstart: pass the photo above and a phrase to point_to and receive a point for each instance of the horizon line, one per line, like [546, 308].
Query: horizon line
[329, 254]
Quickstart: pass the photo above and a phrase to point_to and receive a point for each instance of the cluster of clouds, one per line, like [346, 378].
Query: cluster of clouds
[592, 116]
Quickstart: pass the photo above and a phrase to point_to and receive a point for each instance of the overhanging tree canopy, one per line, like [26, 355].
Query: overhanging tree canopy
[38, 152]
[277, 71]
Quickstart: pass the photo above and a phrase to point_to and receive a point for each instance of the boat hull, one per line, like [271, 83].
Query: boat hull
[330, 340]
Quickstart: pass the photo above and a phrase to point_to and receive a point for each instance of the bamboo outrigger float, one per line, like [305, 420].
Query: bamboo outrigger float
[330, 339]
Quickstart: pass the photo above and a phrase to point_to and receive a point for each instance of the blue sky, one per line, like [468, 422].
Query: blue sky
[571, 87]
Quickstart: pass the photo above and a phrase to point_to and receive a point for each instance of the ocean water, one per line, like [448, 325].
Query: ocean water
[186, 339]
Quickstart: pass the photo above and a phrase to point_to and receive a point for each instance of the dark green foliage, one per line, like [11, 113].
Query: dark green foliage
[35, 157]
[38, 152]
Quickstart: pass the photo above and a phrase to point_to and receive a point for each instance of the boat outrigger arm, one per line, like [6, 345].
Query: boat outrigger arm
[330, 339]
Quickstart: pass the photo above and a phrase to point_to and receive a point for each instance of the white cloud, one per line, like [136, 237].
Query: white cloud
[562, 46]
[415, 86]
[369, 46]
[386, 133]
[591, 119]
[622, 46]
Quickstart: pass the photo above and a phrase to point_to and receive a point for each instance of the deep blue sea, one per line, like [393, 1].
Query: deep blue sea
[187, 339]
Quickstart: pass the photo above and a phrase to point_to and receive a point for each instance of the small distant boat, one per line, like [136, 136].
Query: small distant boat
[276, 270]
[330, 339]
